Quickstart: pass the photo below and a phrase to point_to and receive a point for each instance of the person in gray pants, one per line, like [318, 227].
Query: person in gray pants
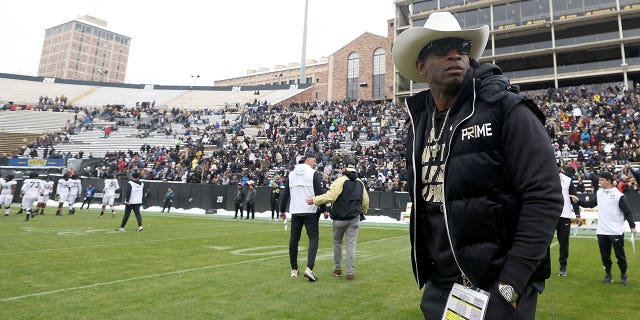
[350, 200]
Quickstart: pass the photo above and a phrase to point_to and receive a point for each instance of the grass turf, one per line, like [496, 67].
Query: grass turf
[214, 267]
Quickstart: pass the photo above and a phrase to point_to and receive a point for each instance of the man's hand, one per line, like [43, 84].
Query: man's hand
[326, 215]
[574, 199]
[283, 215]
[309, 200]
[633, 230]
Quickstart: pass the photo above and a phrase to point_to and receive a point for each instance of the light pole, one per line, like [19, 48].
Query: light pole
[304, 45]
[278, 77]
[102, 74]
[195, 78]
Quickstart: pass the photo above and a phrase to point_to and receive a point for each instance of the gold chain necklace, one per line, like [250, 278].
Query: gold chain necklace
[436, 142]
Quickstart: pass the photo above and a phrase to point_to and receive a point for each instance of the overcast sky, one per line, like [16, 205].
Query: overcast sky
[217, 39]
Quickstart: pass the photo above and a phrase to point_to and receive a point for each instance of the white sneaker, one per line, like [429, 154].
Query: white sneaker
[308, 273]
[294, 273]
[140, 228]
[120, 229]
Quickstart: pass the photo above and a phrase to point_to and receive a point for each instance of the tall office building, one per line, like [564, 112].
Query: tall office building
[543, 43]
[83, 49]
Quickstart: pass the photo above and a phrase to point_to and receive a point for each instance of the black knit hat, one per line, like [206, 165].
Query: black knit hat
[306, 155]
[606, 175]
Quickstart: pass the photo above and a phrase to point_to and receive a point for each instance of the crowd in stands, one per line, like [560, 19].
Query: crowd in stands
[592, 128]
[222, 153]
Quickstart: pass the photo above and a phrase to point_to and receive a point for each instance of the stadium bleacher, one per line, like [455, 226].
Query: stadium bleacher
[127, 96]
[21, 128]
[28, 92]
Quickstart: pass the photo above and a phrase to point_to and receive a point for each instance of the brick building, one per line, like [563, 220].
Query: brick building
[83, 49]
[361, 70]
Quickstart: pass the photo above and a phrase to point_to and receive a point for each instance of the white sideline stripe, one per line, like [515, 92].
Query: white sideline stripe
[100, 284]
[125, 243]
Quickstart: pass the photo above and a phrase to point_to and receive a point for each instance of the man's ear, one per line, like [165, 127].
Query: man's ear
[421, 66]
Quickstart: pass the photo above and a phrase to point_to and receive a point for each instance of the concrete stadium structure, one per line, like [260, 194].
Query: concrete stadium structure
[543, 43]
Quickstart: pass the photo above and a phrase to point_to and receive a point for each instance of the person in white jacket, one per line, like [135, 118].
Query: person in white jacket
[303, 182]
[132, 200]
[613, 210]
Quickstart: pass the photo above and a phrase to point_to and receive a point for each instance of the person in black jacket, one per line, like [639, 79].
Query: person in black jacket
[275, 200]
[563, 227]
[350, 200]
[238, 200]
[251, 200]
[486, 194]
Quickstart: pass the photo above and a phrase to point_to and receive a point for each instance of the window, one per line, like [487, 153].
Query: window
[507, 15]
[378, 73]
[353, 70]
[477, 17]
[450, 3]
[419, 22]
[533, 10]
[567, 8]
[425, 6]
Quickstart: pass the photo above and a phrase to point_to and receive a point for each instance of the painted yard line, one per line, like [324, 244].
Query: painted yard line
[151, 276]
[384, 239]
[127, 243]
[95, 285]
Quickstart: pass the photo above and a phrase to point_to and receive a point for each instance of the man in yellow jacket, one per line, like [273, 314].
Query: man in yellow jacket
[350, 200]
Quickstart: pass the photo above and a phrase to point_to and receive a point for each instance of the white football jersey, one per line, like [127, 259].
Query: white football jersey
[48, 187]
[74, 186]
[32, 187]
[63, 186]
[110, 186]
[7, 185]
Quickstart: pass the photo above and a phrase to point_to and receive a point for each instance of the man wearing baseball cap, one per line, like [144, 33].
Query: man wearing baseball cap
[303, 182]
[350, 201]
[486, 194]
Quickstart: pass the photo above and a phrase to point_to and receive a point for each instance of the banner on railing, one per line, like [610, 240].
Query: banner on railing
[36, 162]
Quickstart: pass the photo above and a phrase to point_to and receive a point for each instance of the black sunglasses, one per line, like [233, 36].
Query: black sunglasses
[441, 47]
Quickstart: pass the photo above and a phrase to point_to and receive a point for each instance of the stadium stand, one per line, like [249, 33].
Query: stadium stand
[250, 135]
[27, 92]
[204, 99]
[20, 128]
[127, 96]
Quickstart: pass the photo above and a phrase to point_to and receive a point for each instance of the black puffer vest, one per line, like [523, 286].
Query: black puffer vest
[476, 181]
[349, 203]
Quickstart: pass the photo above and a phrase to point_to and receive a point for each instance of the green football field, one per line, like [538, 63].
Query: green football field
[214, 267]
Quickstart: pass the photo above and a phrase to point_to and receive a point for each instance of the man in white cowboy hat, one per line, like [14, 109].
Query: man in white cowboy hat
[482, 178]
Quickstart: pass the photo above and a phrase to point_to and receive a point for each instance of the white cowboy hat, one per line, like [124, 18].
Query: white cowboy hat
[439, 25]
